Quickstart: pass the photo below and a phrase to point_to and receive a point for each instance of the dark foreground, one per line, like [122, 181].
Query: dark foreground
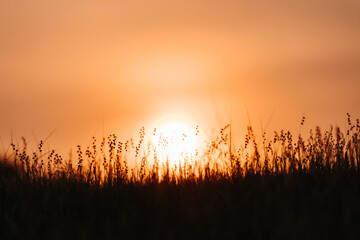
[292, 206]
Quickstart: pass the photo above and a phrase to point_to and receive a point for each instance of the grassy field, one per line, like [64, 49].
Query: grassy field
[279, 187]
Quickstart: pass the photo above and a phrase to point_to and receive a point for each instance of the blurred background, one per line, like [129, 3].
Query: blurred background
[91, 68]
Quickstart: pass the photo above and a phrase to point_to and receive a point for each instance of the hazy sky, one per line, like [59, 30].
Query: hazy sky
[84, 66]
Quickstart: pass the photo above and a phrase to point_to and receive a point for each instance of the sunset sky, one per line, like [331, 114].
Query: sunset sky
[88, 67]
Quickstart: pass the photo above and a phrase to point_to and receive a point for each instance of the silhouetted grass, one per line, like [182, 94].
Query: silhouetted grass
[278, 187]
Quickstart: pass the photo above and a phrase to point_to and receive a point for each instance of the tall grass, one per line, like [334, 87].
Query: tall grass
[275, 185]
[110, 161]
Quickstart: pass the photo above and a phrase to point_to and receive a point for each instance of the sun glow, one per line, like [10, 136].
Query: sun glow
[175, 141]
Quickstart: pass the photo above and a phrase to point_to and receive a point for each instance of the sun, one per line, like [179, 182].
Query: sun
[175, 140]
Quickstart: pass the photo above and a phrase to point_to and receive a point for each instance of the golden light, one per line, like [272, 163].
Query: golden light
[175, 140]
[167, 69]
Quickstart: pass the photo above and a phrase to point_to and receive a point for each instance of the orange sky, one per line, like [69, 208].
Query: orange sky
[83, 66]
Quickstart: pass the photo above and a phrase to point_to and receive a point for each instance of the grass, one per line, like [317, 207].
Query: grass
[279, 187]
